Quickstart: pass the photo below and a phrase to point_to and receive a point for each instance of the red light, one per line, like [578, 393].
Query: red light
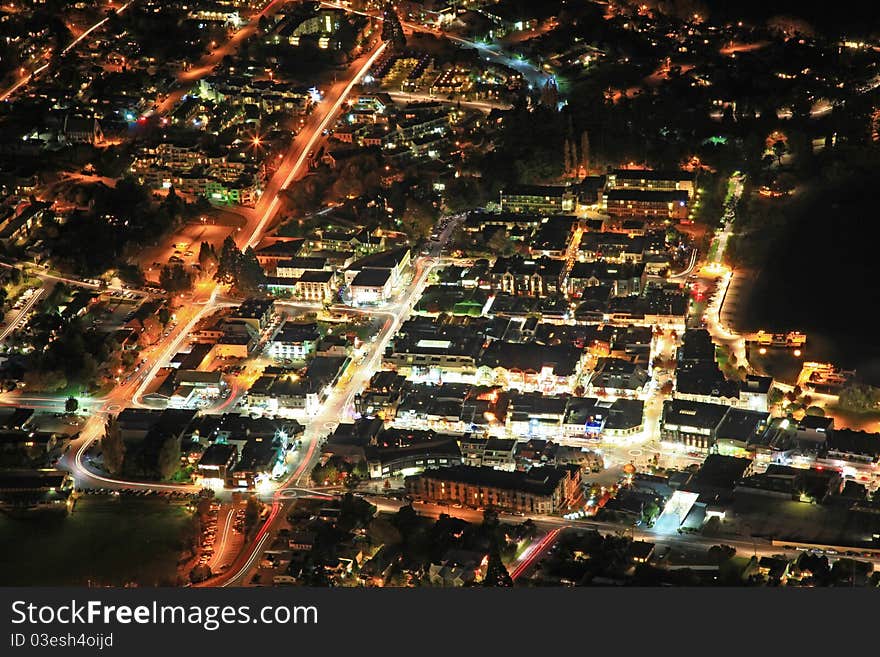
[142, 120]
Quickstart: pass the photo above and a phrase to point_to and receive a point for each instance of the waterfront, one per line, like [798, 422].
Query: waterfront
[814, 281]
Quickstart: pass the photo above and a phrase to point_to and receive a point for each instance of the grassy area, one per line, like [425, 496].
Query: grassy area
[106, 540]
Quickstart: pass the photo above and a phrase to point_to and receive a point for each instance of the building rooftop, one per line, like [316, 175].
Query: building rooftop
[537, 481]
[685, 413]
[371, 277]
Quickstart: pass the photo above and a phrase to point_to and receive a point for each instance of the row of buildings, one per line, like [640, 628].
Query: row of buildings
[649, 194]
[319, 269]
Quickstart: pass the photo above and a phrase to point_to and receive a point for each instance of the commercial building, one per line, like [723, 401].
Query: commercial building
[30, 490]
[314, 286]
[540, 199]
[216, 463]
[396, 261]
[298, 395]
[541, 490]
[650, 180]
[371, 286]
[383, 462]
[691, 424]
[257, 313]
[548, 368]
[426, 349]
[651, 204]
[295, 341]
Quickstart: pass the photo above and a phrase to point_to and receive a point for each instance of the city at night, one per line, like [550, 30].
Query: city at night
[436, 294]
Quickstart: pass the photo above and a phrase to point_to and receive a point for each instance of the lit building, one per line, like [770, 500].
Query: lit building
[541, 490]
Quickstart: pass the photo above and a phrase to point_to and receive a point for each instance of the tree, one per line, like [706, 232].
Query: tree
[496, 572]
[418, 218]
[251, 276]
[227, 263]
[252, 510]
[168, 459]
[200, 573]
[585, 150]
[392, 30]
[71, 405]
[241, 270]
[568, 163]
[327, 473]
[113, 447]
[175, 278]
[207, 258]
[499, 242]
[779, 150]
[775, 395]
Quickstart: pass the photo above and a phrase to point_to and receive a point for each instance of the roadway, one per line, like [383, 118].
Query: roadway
[207, 299]
[338, 407]
[481, 105]
[745, 546]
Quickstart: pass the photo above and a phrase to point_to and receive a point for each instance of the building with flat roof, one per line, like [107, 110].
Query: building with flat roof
[255, 312]
[294, 341]
[651, 180]
[217, 462]
[546, 199]
[30, 490]
[691, 424]
[642, 203]
[371, 286]
[541, 490]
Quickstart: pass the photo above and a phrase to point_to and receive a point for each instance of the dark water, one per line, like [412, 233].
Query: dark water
[850, 17]
[823, 278]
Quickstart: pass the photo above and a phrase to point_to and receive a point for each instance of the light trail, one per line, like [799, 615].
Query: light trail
[531, 553]
[316, 134]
